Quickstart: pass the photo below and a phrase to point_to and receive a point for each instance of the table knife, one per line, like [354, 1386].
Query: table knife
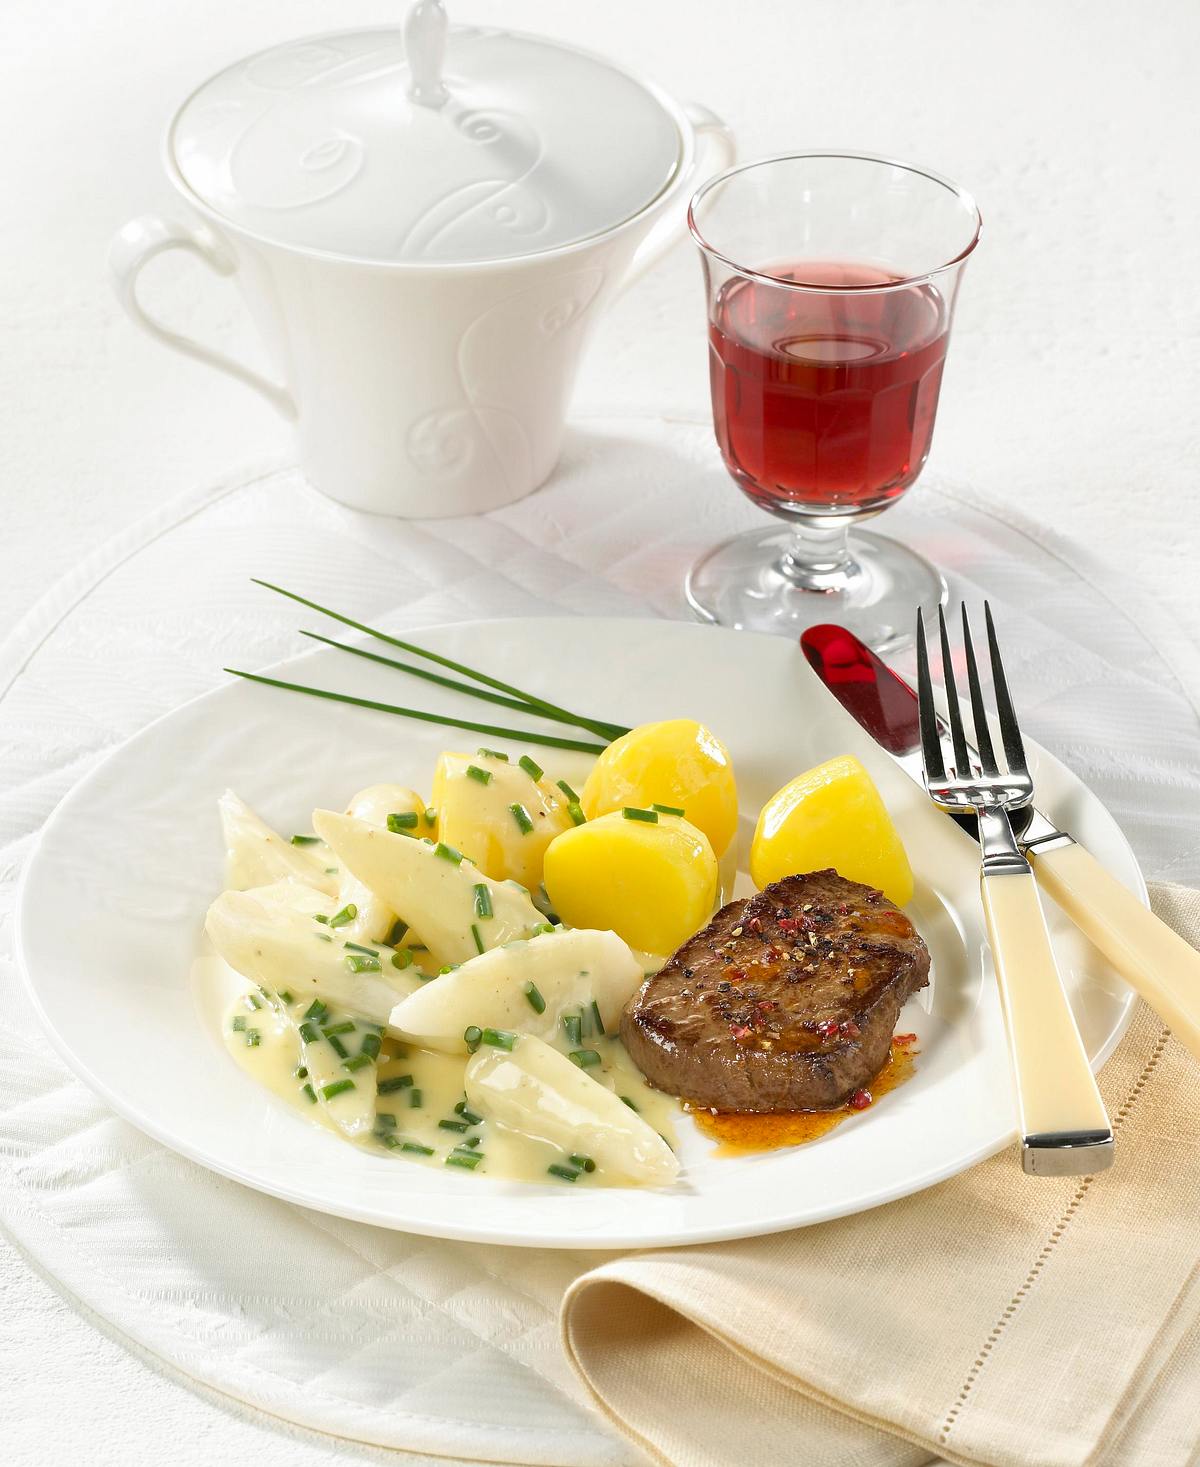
[1152, 958]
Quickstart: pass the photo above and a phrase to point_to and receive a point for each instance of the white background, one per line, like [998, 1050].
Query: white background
[1072, 390]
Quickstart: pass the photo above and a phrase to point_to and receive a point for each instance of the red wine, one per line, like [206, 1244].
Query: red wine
[825, 402]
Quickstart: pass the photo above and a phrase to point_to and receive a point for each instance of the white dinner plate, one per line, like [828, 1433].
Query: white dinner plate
[113, 900]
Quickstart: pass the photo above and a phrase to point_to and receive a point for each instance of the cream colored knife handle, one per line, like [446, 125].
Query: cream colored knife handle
[1163, 968]
[1064, 1127]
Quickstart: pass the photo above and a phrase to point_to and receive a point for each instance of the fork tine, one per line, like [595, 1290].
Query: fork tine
[1010, 729]
[983, 734]
[931, 743]
[962, 760]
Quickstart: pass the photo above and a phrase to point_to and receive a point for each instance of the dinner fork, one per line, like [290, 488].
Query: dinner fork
[1065, 1130]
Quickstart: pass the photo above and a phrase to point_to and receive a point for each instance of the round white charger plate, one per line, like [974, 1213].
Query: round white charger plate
[371, 1334]
[134, 854]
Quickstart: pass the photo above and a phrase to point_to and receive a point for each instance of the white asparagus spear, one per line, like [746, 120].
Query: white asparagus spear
[562, 970]
[255, 855]
[434, 893]
[538, 1092]
[375, 918]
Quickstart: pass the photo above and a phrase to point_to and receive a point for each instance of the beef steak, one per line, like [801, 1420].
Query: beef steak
[787, 1001]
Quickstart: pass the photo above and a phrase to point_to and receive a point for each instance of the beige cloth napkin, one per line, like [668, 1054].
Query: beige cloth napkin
[993, 1319]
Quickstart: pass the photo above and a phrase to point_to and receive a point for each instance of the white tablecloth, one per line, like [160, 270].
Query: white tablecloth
[1070, 396]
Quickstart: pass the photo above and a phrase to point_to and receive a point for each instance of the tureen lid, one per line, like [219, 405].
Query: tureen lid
[431, 143]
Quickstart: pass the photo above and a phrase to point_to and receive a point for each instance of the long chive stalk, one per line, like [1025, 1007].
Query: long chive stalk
[611, 730]
[606, 731]
[521, 736]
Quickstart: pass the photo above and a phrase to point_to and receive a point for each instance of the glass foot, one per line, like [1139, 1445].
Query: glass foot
[745, 583]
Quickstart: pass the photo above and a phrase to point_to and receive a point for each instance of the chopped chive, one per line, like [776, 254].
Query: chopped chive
[356, 947]
[322, 936]
[584, 1058]
[345, 916]
[483, 776]
[483, 900]
[316, 1011]
[567, 1173]
[253, 1038]
[362, 965]
[430, 815]
[521, 815]
[568, 791]
[385, 1138]
[371, 1045]
[345, 1027]
[402, 958]
[331, 870]
[446, 968]
[469, 1143]
[448, 853]
[309, 1033]
[357, 1062]
[337, 1046]
[631, 812]
[286, 996]
[415, 1100]
[468, 1159]
[415, 1148]
[301, 1072]
[459, 1126]
[480, 946]
[252, 1002]
[239, 1023]
[468, 1115]
[668, 809]
[306, 840]
[531, 767]
[309, 1093]
[597, 1021]
[396, 936]
[494, 754]
[533, 996]
[498, 1038]
[630, 1104]
[321, 917]
[575, 811]
[584, 1163]
[339, 1087]
[402, 820]
[396, 1082]
[573, 1025]
[473, 1037]
[542, 928]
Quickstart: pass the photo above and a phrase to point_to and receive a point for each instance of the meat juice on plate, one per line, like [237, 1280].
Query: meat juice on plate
[825, 400]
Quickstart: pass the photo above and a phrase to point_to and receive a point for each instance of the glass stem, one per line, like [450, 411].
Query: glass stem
[819, 559]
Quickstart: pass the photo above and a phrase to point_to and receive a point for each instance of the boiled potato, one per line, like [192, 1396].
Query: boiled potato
[433, 888]
[678, 763]
[831, 816]
[255, 855]
[536, 1091]
[474, 795]
[375, 918]
[652, 883]
[567, 970]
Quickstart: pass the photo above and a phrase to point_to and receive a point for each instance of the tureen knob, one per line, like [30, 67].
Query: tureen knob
[425, 46]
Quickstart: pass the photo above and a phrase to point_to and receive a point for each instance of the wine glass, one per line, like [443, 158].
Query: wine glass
[831, 280]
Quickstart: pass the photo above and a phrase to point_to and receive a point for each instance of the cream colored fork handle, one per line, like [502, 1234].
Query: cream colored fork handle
[1163, 968]
[1064, 1127]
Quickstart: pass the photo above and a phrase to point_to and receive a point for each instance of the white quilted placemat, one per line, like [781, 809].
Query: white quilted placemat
[406, 1342]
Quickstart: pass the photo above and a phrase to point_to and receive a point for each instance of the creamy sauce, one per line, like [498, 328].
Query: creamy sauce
[738, 1133]
[403, 1103]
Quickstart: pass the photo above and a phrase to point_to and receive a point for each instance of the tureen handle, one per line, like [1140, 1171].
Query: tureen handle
[152, 234]
[715, 149]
